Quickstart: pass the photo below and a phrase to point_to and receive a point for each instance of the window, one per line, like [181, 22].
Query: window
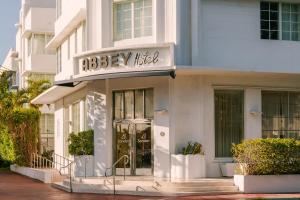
[291, 21]
[132, 19]
[281, 114]
[58, 60]
[133, 104]
[280, 21]
[47, 124]
[36, 76]
[37, 44]
[229, 120]
[29, 45]
[76, 117]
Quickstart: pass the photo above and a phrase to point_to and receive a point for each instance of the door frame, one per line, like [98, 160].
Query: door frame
[133, 122]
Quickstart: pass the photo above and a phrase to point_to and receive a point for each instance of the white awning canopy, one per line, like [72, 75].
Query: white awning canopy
[55, 93]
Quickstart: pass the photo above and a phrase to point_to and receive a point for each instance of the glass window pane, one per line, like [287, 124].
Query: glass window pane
[281, 111]
[139, 104]
[274, 25]
[142, 18]
[286, 7]
[274, 35]
[286, 17]
[264, 5]
[129, 104]
[274, 6]
[274, 16]
[286, 26]
[122, 20]
[118, 105]
[265, 34]
[229, 120]
[265, 15]
[295, 36]
[286, 35]
[149, 108]
[38, 44]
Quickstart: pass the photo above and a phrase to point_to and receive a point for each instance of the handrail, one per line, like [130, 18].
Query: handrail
[38, 161]
[70, 173]
[125, 159]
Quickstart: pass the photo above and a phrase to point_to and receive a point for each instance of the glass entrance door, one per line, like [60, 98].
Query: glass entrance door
[135, 140]
[133, 116]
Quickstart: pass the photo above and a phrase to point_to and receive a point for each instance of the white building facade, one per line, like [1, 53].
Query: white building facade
[148, 76]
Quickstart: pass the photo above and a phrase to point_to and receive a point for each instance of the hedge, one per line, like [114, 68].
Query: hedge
[24, 130]
[82, 143]
[268, 156]
[7, 151]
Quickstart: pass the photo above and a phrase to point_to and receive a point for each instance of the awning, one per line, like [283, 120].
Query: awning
[66, 87]
[55, 93]
[71, 82]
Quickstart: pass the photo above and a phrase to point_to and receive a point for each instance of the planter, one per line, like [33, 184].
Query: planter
[227, 169]
[84, 166]
[187, 167]
[45, 176]
[268, 183]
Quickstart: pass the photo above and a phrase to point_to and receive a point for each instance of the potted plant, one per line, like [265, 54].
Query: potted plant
[82, 148]
[189, 164]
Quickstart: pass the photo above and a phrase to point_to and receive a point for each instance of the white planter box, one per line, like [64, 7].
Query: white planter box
[84, 166]
[187, 167]
[43, 175]
[268, 183]
[227, 169]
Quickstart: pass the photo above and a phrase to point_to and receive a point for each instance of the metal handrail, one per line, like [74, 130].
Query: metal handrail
[125, 159]
[38, 161]
[70, 173]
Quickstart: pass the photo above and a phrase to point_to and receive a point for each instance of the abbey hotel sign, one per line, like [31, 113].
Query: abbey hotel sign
[124, 60]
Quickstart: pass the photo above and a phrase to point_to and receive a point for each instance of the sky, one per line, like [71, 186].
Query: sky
[9, 10]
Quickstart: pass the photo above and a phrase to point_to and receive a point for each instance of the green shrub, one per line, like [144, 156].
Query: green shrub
[192, 149]
[82, 143]
[7, 151]
[268, 156]
[24, 130]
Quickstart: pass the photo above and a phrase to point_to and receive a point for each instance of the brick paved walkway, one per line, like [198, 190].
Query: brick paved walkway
[16, 187]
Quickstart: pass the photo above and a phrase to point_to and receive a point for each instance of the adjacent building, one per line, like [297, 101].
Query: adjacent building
[148, 76]
[31, 60]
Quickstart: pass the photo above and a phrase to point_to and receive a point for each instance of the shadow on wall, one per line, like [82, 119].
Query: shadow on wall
[161, 162]
[102, 138]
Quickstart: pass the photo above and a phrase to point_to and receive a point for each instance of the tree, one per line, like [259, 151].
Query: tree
[22, 122]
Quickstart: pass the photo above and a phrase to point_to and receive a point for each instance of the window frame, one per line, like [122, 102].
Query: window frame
[281, 92]
[242, 135]
[280, 21]
[144, 39]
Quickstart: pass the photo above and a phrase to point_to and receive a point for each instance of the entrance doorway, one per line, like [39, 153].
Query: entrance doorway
[133, 132]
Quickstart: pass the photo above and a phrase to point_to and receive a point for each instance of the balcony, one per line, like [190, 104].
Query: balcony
[40, 64]
[39, 20]
[68, 21]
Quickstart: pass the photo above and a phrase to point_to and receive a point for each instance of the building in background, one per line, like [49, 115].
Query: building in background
[148, 76]
[10, 65]
[31, 59]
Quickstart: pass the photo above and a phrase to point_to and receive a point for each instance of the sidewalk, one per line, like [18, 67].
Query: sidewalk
[16, 187]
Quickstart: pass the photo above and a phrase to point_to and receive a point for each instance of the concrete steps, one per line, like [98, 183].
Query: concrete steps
[149, 186]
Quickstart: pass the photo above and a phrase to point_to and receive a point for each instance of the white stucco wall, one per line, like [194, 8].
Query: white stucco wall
[228, 37]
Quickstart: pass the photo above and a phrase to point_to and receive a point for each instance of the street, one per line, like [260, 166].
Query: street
[16, 187]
